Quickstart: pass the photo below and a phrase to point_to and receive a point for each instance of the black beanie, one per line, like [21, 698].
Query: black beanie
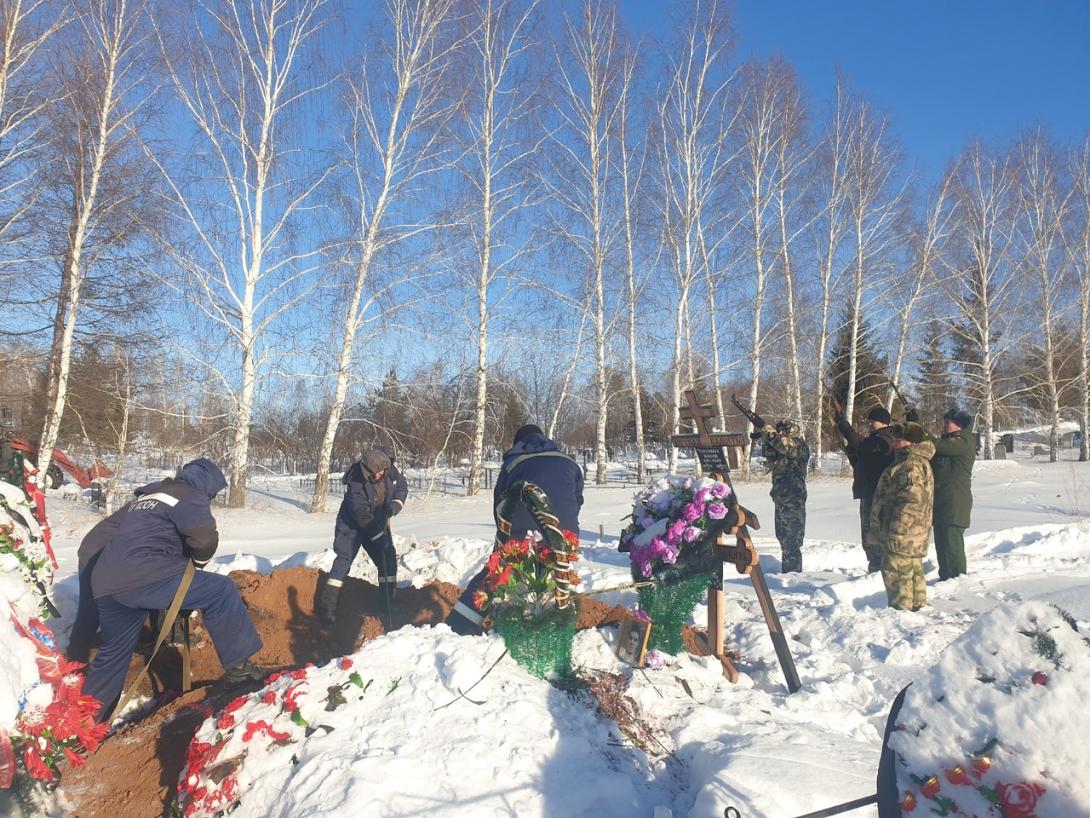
[879, 414]
[527, 430]
[963, 419]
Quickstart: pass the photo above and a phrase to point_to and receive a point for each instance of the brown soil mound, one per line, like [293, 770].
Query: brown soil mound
[135, 773]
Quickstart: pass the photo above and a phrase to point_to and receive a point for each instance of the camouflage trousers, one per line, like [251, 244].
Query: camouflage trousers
[906, 588]
[790, 529]
[872, 550]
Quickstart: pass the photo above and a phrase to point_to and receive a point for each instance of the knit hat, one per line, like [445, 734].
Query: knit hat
[912, 432]
[374, 460]
[527, 430]
[962, 419]
[880, 414]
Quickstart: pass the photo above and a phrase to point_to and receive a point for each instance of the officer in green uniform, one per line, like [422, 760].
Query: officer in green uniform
[955, 453]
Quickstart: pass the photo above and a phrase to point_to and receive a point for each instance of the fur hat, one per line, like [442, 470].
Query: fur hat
[880, 414]
[912, 432]
[527, 430]
[962, 419]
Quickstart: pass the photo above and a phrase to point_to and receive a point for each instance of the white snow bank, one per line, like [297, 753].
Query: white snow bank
[390, 735]
[1001, 721]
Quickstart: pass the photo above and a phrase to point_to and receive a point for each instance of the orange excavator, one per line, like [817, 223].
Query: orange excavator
[60, 461]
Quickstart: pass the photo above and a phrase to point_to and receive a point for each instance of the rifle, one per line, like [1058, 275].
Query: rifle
[752, 417]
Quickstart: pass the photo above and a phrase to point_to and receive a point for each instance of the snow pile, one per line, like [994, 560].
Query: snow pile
[23, 545]
[998, 727]
[22, 560]
[44, 716]
[388, 731]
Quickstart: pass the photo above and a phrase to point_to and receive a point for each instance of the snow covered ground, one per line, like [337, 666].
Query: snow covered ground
[529, 749]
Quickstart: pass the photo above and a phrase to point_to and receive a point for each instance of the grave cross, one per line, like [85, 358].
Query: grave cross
[699, 415]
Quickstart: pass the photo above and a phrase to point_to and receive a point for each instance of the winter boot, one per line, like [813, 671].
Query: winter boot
[244, 673]
[326, 606]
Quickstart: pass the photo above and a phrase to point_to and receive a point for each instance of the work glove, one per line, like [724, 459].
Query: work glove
[755, 436]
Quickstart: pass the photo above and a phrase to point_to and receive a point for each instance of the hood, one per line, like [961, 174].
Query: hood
[149, 488]
[926, 450]
[374, 461]
[204, 476]
[531, 444]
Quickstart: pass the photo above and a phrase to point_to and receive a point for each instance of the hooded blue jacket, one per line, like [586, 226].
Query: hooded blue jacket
[167, 524]
[539, 460]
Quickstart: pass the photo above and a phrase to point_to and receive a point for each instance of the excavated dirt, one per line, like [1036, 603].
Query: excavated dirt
[135, 772]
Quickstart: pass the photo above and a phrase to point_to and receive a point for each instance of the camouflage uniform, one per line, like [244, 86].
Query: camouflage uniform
[901, 522]
[786, 455]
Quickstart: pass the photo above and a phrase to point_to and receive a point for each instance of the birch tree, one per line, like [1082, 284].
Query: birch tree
[873, 207]
[399, 110]
[239, 74]
[499, 105]
[1043, 210]
[978, 281]
[589, 73]
[793, 159]
[103, 75]
[928, 247]
[831, 229]
[692, 120]
[1079, 251]
[631, 171]
[25, 26]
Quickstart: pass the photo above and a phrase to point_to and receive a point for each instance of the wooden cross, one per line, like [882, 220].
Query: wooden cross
[699, 415]
[709, 446]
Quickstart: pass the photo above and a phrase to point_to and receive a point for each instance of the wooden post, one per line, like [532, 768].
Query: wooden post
[743, 555]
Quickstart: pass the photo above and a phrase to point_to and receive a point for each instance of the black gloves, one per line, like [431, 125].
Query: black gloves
[756, 435]
[395, 508]
[912, 416]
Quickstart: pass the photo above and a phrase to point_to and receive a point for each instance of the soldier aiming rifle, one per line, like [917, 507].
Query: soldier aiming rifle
[786, 455]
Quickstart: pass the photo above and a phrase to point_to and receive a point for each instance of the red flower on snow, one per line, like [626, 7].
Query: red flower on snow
[1019, 800]
[236, 704]
[345, 663]
[269, 697]
[36, 766]
[291, 697]
[225, 722]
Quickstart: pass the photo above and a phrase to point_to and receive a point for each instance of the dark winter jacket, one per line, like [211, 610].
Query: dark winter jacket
[537, 459]
[955, 453]
[99, 537]
[367, 506]
[161, 530]
[869, 457]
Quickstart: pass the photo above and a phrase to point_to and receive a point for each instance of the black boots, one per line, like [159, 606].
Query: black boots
[244, 673]
[326, 606]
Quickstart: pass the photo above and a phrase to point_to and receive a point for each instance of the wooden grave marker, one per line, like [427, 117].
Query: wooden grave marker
[742, 554]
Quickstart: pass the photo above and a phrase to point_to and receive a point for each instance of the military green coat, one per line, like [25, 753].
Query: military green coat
[955, 453]
[900, 518]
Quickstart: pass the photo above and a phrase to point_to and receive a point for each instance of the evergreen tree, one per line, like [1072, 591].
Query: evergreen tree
[390, 415]
[934, 383]
[871, 381]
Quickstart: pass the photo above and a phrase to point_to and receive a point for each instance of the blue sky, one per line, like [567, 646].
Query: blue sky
[944, 70]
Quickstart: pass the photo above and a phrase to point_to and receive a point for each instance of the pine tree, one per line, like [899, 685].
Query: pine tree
[934, 383]
[871, 381]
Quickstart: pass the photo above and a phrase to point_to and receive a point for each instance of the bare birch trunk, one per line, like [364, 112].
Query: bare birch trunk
[109, 36]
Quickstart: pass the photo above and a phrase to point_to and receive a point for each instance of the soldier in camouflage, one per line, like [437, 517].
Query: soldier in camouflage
[786, 455]
[901, 516]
